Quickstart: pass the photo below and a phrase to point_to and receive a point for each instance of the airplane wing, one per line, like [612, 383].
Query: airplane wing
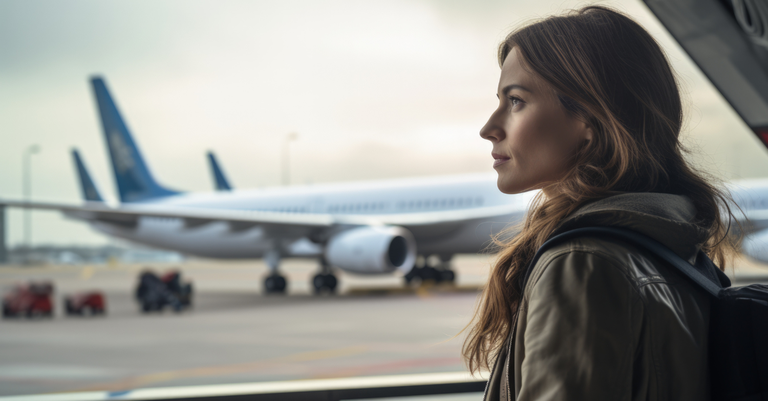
[296, 223]
[128, 215]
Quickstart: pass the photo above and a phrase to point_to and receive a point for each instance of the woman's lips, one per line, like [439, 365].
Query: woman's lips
[499, 159]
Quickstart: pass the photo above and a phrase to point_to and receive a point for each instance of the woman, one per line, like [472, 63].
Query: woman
[590, 113]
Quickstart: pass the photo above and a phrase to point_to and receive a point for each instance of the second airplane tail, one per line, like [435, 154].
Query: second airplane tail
[87, 186]
[218, 175]
[134, 180]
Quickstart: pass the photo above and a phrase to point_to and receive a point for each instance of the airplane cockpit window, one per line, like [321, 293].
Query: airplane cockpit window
[133, 258]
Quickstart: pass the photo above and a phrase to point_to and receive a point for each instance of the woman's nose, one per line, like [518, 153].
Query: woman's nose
[492, 131]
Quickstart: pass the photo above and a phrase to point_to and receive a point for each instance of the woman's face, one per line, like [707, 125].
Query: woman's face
[534, 138]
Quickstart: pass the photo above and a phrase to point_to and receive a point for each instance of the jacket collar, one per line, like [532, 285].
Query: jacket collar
[667, 218]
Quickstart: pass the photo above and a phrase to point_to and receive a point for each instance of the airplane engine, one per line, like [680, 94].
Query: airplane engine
[756, 246]
[372, 250]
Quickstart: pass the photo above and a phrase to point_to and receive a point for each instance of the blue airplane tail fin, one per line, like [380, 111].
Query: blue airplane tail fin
[218, 175]
[134, 181]
[90, 193]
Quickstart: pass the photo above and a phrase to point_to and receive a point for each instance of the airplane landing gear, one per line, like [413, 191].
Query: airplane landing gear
[448, 276]
[424, 272]
[274, 283]
[325, 280]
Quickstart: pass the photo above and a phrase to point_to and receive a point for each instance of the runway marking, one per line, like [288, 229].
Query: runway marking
[86, 272]
[141, 381]
[423, 292]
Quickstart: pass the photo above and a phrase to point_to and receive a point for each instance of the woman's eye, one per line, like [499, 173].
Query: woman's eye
[515, 101]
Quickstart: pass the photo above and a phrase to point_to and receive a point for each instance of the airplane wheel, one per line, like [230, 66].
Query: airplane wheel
[323, 282]
[430, 274]
[331, 282]
[274, 284]
[447, 275]
[411, 275]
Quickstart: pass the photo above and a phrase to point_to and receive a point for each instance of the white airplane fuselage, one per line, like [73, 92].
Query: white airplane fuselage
[405, 196]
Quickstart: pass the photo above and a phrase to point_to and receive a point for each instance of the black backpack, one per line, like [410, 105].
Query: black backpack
[738, 331]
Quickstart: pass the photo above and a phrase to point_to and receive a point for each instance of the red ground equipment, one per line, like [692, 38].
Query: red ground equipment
[85, 303]
[31, 300]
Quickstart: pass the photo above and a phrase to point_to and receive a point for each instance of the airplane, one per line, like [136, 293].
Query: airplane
[363, 228]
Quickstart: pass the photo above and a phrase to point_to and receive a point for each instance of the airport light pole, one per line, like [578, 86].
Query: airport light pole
[286, 161]
[26, 178]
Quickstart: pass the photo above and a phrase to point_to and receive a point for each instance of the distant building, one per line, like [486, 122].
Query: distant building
[94, 255]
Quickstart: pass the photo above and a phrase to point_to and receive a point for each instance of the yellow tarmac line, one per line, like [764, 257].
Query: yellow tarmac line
[86, 272]
[141, 381]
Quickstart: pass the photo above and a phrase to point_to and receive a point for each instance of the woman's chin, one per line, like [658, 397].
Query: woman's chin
[507, 187]
[512, 188]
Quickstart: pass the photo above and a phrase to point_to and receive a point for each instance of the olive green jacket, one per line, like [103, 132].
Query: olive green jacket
[601, 319]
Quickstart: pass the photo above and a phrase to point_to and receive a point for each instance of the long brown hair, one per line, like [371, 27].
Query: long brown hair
[609, 72]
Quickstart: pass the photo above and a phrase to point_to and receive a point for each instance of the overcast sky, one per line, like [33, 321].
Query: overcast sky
[374, 89]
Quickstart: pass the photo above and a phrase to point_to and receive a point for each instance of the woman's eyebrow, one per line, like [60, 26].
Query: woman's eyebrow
[508, 88]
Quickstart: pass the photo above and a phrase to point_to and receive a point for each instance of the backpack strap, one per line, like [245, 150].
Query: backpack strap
[635, 238]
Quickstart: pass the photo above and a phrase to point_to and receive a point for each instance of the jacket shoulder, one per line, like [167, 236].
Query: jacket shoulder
[638, 265]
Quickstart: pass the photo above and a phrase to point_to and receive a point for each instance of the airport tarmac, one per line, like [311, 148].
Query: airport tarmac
[234, 334]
